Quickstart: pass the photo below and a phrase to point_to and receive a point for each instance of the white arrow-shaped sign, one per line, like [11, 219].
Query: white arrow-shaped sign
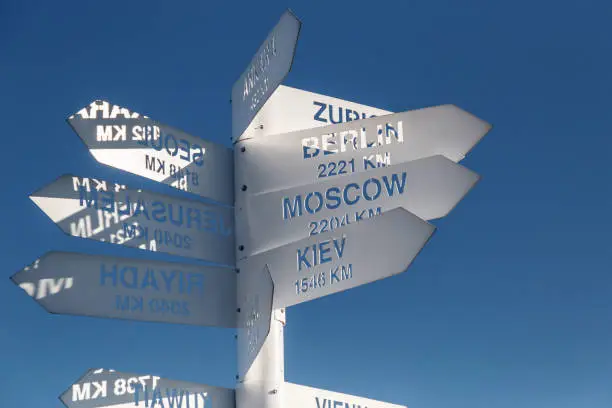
[292, 109]
[288, 160]
[113, 389]
[110, 212]
[134, 143]
[339, 260]
[428, 188]
[267, 70]
[134, 289]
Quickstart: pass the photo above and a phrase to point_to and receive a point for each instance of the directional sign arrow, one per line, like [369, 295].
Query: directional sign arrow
[109, 212]
[101, 389]
[255, 294]
[429, 188]
[339, 260]
[134, 143]
[267, 70]
[133, 289]
[292, 109]
[301, 396]
[298, 158]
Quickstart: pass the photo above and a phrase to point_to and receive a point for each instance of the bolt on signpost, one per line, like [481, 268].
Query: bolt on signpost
[311, 181]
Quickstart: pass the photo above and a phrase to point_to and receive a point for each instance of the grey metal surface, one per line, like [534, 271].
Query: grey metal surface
[137, 144]
[254, 298]
[429, 188]
[267, 70]
[287, 160]
[107, 388]
[134, 289]
[339, 260]
[110, 212]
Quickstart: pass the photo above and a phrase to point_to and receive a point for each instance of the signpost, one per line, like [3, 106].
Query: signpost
[102, 388]
[319, 195]
[109, 212]
[267, 70]
[134, 143]
[133, 289]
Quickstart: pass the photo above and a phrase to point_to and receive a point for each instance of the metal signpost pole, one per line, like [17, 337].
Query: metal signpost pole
[259, 382]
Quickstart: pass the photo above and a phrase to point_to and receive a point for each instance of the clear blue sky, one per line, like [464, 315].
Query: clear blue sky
[510, 304]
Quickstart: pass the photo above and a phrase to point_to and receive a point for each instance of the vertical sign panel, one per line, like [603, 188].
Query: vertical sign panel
[255, 293]
[267, 70]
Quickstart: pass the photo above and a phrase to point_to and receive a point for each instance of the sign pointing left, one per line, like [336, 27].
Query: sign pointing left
[134, 143]
[108, 388]
[133, 289]
[109, 212]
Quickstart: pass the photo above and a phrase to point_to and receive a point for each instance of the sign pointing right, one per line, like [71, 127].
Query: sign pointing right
[429, 188]
[293, 159]
[292, 109]
[339, 260]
